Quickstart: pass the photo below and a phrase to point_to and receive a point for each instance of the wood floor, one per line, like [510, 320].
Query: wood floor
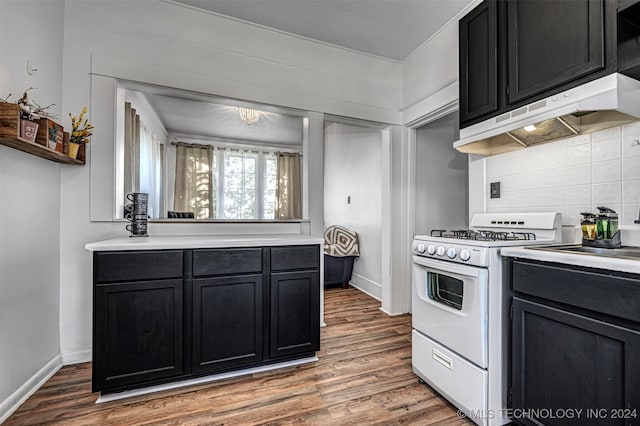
[363, 377]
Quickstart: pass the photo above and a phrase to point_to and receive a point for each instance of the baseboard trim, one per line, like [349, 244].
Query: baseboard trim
[367, 286]
[76, 357]
[17, 398]
[199, 380]
[392, 315]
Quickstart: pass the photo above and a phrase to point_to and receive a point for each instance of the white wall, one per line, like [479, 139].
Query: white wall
[430, 73]
[166, 44]
[441, 178]
[173, 45]
[398, 167]
[30, 207]
[571, 176]
[353, 169]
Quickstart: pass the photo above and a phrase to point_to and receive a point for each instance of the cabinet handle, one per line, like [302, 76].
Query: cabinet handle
[442, 359]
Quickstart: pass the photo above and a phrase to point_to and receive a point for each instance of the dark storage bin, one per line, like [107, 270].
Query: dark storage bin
[337, 270]
[341, 247]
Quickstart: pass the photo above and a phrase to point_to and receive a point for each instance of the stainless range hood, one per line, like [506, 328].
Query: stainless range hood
[609, 101]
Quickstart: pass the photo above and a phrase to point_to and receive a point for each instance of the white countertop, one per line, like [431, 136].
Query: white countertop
[587, 260]
[201, 241]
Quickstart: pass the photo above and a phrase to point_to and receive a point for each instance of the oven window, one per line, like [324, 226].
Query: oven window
[445, 289]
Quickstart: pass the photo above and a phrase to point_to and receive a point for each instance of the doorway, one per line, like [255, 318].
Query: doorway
[353, 185]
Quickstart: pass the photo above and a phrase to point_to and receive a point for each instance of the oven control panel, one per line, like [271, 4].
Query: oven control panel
[452, 252]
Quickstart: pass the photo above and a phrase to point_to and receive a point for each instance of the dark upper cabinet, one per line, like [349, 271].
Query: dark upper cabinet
[227, 322]
[518, 51]
[479, 62]
[138, 332]
[551, 43]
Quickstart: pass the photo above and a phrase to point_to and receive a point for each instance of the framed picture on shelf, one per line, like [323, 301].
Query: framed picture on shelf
[28, 130]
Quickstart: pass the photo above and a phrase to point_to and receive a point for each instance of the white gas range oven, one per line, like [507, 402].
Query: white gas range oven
[459, 308]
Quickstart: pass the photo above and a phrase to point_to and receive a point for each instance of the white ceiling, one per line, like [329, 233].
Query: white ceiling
[204, 118]
[388, 28]
[192, 115]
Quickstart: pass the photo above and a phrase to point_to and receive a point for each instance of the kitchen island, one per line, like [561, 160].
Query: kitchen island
[170, 309]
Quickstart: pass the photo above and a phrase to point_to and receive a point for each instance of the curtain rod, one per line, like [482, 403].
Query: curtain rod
[223, 148]
[191, 145]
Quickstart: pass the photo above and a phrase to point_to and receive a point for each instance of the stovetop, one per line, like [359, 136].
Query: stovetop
[483, 235]
[489, 231]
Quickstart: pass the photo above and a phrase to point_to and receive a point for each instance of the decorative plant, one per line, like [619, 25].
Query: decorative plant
[30, 109]
[81, 129]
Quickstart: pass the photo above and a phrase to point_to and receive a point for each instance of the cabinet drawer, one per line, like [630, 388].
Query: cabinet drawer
[137, 265]
[227, 261]
[460, 381]
[611, 295]
[295, 257]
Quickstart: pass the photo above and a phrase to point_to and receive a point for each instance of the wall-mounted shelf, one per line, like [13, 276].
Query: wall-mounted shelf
[10, 136]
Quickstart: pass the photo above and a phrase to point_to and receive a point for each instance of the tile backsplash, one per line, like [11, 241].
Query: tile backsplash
[572, 175]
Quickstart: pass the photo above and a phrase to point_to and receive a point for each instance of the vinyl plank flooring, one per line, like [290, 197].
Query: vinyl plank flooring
[363, 377]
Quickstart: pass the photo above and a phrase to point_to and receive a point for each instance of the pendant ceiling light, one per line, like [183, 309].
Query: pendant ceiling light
[248, 115]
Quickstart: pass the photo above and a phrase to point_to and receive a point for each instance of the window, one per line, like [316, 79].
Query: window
[237, 183]
[246, 184]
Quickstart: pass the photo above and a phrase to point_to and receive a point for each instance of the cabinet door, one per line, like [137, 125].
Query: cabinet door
[551, 43]
[138, 333]
[295, 313]
[227, 322]
[561, 360]
[478, 62]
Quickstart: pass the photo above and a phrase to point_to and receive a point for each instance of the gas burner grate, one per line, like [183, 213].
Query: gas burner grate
[467, 234]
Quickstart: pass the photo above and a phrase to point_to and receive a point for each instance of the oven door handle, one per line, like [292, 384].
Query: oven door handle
[449, 267]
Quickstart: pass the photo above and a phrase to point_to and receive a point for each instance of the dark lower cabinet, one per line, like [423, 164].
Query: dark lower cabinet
[167, 315]
[575, 344]
[295, 313]
[227, 322]
[565, 361]
[137, 332]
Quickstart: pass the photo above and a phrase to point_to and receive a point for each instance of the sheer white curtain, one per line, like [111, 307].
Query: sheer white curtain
[151, 163]
[269, 186]
[289, 188]
[144, 161]
[195, 180]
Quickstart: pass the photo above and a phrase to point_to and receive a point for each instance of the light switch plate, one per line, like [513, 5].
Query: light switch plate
[495, 190]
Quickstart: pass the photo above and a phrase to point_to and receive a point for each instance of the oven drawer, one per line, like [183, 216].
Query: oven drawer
[458, 380]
